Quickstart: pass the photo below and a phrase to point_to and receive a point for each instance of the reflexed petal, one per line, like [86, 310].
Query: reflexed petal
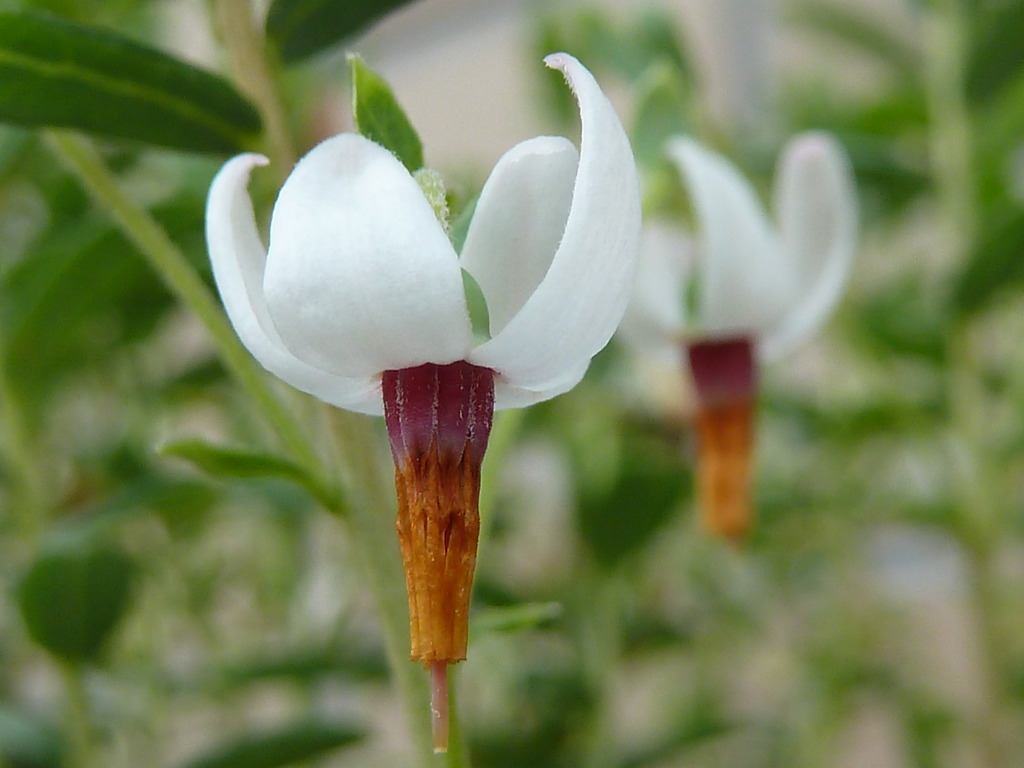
[577, 306]
[745, 284]
[238, 260]
[518, 222]
[360, 277]
[655, 316]
[817, 211]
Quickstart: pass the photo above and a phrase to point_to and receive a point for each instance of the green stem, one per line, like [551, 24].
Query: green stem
[371, 516]
[600, 644]
[251, 67]
[79, 718]
[29, 503]
[170, 264]
[979, 521]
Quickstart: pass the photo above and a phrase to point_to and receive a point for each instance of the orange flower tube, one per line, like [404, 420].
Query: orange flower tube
[724, 376]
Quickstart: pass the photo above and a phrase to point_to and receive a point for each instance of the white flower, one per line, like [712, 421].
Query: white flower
[360, 278]
[775, 284]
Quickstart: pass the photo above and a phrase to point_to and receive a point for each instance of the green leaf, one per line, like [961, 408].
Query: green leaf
[380, 118]
[73, 597]
[53, 328]
[302, 741]
[25, 741]
[997, 50]
[867, 32]
[515, 617]
[301, 28]
[54, 73]
[661, 112]
[619, 520]
[234, 463]
[994, 264]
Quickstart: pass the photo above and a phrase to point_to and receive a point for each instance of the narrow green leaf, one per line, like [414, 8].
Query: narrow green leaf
[380, 118]
[661, 112]
[234, 463]
[74, 595]
[515, 617]
[290, 744]
[54, 73]
[994, 264]
[997, 50]
[301, 28]
[867, 32]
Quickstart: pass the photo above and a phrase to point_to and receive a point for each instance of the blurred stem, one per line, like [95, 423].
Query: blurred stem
[28, 504]
[600, 647]
[374, 544]
[951, 136]
[250, 64]
[78, 718]
[173, 267]
[979, 523]
[457, 755]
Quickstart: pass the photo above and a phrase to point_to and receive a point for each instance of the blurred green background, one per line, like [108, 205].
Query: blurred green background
[172, 591]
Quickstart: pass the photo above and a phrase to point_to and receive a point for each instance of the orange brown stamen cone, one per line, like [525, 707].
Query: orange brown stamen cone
[438, 419]
[725, 384]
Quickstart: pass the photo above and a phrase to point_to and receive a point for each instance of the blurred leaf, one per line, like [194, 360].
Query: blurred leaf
[608, 46]
[301, 28]
[271, 748]
[515, 617]
[661, 112]
[55, 73]
[53, 324]
[380, 118]
[861, 29]
[994, 264]
[28, 743]
[996, 49]
[74, 595]
[348, 659]
[618, 520]
[225, 463]
[902, 318]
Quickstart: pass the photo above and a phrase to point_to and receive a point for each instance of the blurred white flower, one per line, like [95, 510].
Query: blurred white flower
[360, 277]
[774, 283]
[760, 289]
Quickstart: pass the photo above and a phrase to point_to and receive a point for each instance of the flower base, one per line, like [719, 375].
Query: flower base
[725, 382]
[439, 419]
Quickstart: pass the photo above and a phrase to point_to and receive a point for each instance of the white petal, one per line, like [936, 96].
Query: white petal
[577, 306]
[745, 283]
[518, 222]
[238, 259]
[507, 395]
[817, 211]
[654, 319]
[360, 276]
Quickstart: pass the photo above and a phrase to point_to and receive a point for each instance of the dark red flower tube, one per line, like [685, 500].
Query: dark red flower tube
[438, 419]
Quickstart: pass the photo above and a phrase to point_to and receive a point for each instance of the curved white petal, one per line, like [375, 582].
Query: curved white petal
[238, 259]
[360, 276]
[577, 306]
[655, 317]
[518, 222]
[745, 283]
[508, 395]
[817, 211]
